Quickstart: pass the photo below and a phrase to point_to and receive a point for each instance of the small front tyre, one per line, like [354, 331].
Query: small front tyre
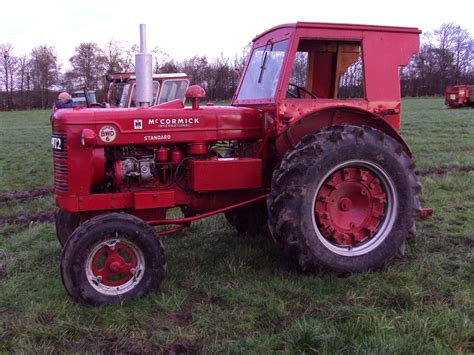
[66, 223]
[110, 258]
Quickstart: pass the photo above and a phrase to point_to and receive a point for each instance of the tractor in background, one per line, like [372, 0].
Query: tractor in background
[121, 88]
[459, 96]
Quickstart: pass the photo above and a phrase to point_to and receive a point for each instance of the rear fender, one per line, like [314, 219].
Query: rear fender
[320, 119]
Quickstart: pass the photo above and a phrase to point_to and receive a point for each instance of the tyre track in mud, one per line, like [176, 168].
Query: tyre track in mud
[27, 218]
[444, 170]
[26, 195]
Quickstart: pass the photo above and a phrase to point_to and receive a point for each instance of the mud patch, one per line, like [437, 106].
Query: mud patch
[181, 319]
[183, 347]
[24, 218]
[25, 195]
[444, 170]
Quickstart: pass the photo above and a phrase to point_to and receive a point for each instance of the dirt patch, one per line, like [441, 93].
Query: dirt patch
[182, 319]
[444, 170]
[461, 241]
[24, 218]
[25, 195]
[45, 318]
[183, 346]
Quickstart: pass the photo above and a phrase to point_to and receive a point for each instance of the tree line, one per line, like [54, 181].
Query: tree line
[33, 80]
[446, 57]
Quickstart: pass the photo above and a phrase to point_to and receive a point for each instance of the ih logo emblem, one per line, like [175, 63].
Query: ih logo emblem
[138, 124]
[107, 134]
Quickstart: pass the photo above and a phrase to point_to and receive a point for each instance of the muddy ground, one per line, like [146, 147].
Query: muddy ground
[48, 216]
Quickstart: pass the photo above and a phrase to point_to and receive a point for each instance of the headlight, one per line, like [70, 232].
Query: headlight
[88, 137]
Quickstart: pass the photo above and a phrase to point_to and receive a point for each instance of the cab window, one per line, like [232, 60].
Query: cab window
[156, 91]
[172, 90]
[327, 69]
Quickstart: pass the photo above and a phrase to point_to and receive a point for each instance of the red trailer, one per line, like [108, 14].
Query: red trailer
[309, 150]
[459, 96]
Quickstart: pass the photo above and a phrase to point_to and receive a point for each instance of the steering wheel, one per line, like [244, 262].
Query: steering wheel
[96, 104]
[299, 90]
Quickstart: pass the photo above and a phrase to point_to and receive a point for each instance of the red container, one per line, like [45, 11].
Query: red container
[225, 174]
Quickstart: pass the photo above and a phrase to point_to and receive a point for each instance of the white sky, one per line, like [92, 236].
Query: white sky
[183, 28]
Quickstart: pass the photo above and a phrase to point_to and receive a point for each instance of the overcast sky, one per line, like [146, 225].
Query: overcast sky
[184, 28]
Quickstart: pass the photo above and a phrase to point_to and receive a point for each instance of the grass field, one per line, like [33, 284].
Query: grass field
[224, 293]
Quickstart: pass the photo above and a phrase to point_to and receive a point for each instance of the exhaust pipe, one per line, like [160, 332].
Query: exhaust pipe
[144, 73]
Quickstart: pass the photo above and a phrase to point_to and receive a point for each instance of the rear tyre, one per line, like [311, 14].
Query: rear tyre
[110, 258]
[250, 220]
[344, 199]
[66, 223]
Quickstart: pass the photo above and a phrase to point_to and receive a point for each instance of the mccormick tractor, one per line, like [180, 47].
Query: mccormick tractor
[308, 151]
[459, 96]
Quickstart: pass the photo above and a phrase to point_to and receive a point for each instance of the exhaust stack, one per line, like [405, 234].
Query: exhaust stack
[144, 73]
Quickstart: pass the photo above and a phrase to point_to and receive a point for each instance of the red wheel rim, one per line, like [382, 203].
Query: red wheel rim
[350, 206]
[114, 265]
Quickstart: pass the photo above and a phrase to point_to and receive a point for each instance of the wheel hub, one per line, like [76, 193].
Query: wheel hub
[114, 265]
[350, 206]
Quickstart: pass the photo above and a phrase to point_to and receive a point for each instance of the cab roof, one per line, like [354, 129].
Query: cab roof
[339, 26]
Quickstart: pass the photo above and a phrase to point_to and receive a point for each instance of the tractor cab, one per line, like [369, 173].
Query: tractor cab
[298, 69]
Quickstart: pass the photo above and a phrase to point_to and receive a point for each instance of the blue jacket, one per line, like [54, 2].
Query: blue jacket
[59, 104]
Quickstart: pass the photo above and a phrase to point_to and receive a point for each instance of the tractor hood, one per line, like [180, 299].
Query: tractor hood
[169, 123]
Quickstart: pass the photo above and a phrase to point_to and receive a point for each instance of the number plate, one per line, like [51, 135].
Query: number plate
[57, 143]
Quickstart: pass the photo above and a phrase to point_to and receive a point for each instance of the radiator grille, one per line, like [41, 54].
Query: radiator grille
[61, 172]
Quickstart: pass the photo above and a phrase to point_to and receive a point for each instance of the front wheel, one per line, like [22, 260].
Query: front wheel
[344, 199]
[110, 258]
[66, 223]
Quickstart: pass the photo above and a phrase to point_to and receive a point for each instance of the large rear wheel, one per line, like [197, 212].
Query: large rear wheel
[344, 199]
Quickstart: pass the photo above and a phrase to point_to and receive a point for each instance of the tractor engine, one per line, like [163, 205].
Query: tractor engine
[137, 166]
[132, 167]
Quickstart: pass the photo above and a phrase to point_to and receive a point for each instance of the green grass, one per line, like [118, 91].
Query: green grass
[224, 293]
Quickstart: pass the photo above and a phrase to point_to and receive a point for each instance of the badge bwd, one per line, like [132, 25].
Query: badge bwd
[107, 134]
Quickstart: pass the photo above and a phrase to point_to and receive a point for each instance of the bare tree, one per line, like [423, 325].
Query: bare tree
[445, 58]
[160, 58]
[23, 80]
[114, 61]
[129, 58]
[8, 63]
[44, 72]
[88, 65]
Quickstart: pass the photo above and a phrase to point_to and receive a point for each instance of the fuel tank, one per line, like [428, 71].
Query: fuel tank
[163, 124]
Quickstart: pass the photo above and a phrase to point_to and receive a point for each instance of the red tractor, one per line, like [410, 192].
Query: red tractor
[309, 150]
[459, 96]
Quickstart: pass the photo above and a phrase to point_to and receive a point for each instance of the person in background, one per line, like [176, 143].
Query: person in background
[64, 101]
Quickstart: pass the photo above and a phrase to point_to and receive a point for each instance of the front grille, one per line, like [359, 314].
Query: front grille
[61, 172]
